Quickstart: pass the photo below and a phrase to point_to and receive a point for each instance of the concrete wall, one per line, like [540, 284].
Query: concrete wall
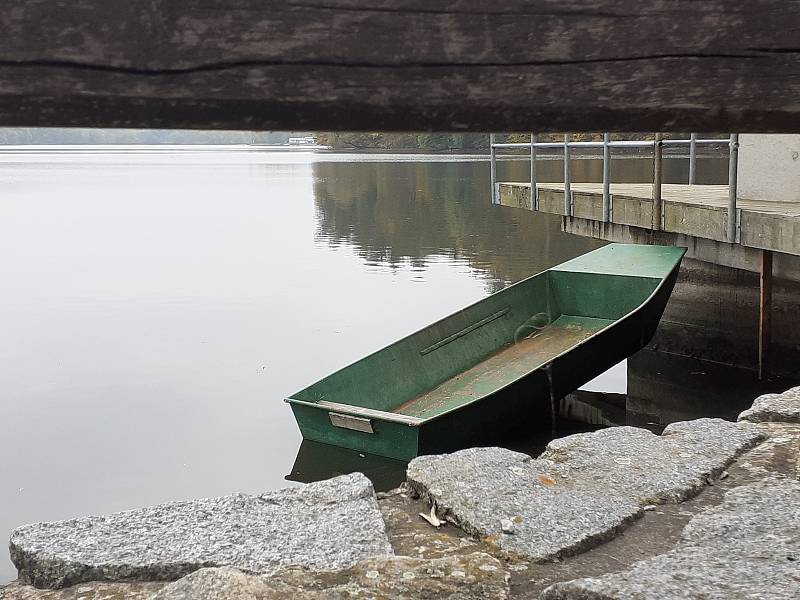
[713, 312]
[785, 266]
[664, 388]
[769, 167]
[713, 315]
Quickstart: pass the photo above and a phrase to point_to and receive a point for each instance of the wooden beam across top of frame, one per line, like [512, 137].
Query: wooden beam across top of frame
[541, 65]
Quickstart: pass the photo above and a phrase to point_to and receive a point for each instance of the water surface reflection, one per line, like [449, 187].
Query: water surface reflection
[156, 309]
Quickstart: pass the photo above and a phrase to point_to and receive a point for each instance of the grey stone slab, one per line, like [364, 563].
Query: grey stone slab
[583, 490]
[650, 469]
[327, 525]
[95, 590]
[783, 408]
[746, 548]
[480, 488]
[472, 577]
[778, 454]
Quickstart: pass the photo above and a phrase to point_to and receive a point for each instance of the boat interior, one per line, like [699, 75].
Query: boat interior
[514, 360]
[484, 347]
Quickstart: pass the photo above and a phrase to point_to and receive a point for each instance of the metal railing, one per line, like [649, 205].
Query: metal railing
[607, 145]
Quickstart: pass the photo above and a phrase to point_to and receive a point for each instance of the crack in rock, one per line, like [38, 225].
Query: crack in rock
[748, 547]
[583, 490]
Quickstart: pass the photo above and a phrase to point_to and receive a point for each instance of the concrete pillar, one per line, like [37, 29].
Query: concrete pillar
[769, 167]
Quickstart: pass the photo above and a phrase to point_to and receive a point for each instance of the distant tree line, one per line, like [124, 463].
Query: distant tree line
[443, 142]
[439, 142]
[68, 136]
[427, 142]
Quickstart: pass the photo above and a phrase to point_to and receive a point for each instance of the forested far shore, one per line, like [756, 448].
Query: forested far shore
[13, 136]
[351, 140]
[448, 142]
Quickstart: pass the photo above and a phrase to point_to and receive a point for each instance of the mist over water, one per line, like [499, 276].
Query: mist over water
[156, 308]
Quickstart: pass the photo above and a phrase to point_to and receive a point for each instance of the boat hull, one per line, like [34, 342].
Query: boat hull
[522, 400]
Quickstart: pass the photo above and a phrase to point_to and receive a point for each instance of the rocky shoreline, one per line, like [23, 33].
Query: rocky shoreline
[708, 509]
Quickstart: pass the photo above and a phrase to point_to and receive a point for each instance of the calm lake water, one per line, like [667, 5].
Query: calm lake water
[156, 309]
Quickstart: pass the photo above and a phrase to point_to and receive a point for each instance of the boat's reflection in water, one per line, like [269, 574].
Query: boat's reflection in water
[662, 388]
[317, 461]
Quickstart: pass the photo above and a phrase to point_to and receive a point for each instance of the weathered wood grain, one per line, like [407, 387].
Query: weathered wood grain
[543, 65]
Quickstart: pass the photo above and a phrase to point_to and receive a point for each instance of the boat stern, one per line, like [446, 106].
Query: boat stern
[360, 429]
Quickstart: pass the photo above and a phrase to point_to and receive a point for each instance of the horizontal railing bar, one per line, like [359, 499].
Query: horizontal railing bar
[612, 144]
[528, 145]
[630, 144]
[697, 141]
[559, 145]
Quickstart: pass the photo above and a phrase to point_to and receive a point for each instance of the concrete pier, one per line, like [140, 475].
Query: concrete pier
[698, 211]
[727, 305]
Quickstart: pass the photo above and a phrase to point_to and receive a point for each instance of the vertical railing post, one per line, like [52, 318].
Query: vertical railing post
[567, 177]
[658, 147]
[534, 193]
[733, 172]
[692, 158]
[606, 178]
[764, 312]
[493, 166]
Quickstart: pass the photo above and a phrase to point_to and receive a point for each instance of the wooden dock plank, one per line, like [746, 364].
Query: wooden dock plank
[413, 65]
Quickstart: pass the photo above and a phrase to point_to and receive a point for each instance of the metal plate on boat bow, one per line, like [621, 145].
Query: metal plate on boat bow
[350, 422]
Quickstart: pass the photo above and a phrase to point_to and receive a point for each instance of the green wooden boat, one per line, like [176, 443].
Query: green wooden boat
[495, 366]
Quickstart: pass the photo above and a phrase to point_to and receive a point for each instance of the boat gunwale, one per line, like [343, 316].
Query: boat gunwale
[421, 421]
[616, 322]
[360, 411]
